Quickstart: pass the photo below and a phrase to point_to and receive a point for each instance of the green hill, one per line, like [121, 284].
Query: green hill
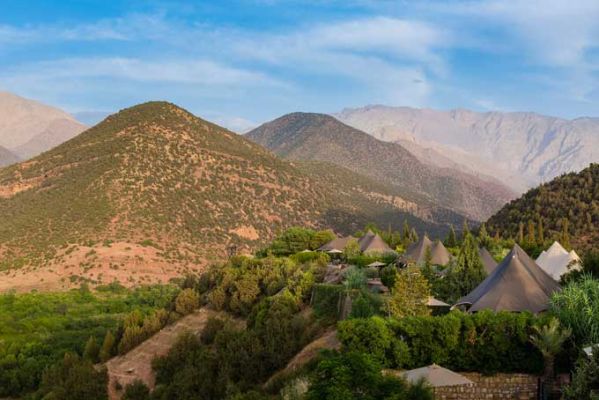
[155, 177]
[572, 197]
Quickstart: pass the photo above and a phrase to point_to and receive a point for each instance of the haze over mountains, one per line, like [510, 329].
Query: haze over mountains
[153, 189]
[306, 136]
[28, 128]
[522, 149]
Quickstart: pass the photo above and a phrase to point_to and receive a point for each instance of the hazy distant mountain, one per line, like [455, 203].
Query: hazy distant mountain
[28, 127]
[155, 181]
[305, 136]
[521, 149]
[7, 157]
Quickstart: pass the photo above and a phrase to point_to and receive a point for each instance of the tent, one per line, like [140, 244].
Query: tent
[376, 264]
[516, 284]
[436, 376]
[373, 243]
[417, 252]
[432, 302]
[336, 244]
[488, 261]
[556, 261]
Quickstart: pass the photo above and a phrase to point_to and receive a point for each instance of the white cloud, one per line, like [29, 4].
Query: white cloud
[201, 72]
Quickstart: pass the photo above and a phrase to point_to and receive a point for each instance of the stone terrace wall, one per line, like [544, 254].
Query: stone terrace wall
[499, 386]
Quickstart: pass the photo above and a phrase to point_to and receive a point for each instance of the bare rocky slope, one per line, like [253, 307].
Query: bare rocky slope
[307, 136]
[28, 128]
[153, 190]
[521, 149]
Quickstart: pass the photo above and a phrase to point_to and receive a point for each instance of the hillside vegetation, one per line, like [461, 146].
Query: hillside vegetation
[566, 209]
[319, 137]
[154, 188]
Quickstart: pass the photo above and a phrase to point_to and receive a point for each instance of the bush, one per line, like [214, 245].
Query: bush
[356, 376]
[136, 391]
[187, 301]
[486, 342]
[577, 307]
[325, 300]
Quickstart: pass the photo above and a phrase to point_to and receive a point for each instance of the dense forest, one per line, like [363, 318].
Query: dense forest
[564, 209]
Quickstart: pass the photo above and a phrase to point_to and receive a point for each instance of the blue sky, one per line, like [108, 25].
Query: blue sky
[240, 63]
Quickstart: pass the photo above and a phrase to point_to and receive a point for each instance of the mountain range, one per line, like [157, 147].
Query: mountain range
[153, 190]
[28, 128]
[519, 148]
[319, 137]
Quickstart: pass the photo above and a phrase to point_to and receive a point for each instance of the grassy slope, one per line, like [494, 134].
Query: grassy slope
[155, 173]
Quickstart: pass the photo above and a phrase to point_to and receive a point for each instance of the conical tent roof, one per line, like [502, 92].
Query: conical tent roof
[436, 376]
[556, 260]
[439, 254]
[372, 242]
[488, 261]
[517, 284]
[336, 244]
[417, 252]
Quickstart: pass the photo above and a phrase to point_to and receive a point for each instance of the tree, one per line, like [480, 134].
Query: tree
[410, 294]
[92, 350]
[466, 272]
[549, 340]
[414, 236]
[355, 278]
[483, 235]
[353, 376]
[530, 232]
[388, 275]
[136, 391]
[107, 347]
[585, 380]
[520, 233]
[540, 231]
[565, 233]
[352, 249]
[75, 379]
[187, 301]
[451, 240]
[465, 229]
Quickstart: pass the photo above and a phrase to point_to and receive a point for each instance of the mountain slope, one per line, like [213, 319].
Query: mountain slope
[320, 137]
[28, 128]
[522, 149]
[7, 157]
[153, 190]
[573, 196]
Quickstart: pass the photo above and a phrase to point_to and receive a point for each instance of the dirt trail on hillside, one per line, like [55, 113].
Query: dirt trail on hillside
[327, 341]
[137, 364]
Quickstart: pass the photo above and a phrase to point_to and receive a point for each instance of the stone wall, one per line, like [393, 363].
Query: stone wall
[499, 386]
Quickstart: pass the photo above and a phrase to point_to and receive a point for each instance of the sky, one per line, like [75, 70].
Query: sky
[241, 63]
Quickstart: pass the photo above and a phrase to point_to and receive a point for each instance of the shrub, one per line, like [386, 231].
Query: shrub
[325, 300]
[187, 301]
[486, 342]
[136, 391]
[356, 375]
[577, 307]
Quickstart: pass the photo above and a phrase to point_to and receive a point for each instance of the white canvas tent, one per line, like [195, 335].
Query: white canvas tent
[557, 261]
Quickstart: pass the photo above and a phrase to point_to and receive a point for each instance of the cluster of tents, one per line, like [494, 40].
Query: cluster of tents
[517, 283]
[369, 243]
